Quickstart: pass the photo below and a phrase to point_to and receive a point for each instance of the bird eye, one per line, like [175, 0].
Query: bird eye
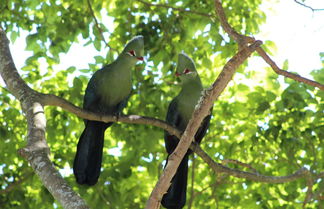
[132, 53]
[186, 71]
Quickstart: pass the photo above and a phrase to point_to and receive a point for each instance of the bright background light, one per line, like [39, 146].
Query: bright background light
[297, 32]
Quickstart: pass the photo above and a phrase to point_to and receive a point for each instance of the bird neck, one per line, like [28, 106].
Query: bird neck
[188, 99]
[124, 61]
[191, 86]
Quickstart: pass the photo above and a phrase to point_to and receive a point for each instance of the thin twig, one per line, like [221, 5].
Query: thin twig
[243, 40]
[293, 76]
[309, 192]
[136, 119]
[176, 8]
[99, 28]
[239, 163]
[193, 169]
[219, 168]
[309, 7]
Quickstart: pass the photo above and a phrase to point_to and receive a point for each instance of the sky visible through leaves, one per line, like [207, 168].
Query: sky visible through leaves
[298, 35]
[273, 123]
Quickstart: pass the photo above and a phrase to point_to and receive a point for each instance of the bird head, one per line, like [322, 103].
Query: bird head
[186, 69]
[135, 48]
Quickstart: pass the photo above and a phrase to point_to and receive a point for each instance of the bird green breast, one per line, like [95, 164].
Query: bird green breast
[187, 101]
[114, 86]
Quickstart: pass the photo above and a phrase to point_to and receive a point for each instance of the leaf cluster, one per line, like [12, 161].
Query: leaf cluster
[275, 127]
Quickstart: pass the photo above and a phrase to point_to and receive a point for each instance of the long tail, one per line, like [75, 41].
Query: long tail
[87, 161]
[175, 198]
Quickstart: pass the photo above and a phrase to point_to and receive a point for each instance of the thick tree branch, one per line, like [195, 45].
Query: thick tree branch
[36, 151]
[243, 40]
[176, 8]
[240, 39]
[48, 99]
[201, 111]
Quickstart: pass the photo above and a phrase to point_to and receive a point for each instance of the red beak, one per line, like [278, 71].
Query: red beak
[177, 74]
[140, 58]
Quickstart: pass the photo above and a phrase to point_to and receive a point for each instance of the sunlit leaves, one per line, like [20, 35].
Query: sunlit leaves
[275, 127]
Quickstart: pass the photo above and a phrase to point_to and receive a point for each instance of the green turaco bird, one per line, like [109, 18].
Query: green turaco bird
[107, 93]
[178, 115]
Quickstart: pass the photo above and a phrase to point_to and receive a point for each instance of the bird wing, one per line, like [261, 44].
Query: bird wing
[173, 118]
[203, 128]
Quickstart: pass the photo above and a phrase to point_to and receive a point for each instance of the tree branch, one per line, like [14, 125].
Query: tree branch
[219, 168]
[243, 40]
[309, 192]
[48, 99]
[193, 170]
[293, 76]
[201, 111]
[176, 8]
[36, 151]
[98, 27]
[240, 164]
[309, 7]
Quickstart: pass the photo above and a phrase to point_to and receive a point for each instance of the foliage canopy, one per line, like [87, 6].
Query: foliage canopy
[277, 127]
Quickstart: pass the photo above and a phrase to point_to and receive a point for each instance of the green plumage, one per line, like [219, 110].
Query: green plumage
[179, 113]
[107, 93]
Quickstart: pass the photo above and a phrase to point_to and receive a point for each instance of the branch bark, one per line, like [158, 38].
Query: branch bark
[36, 152]
[243, 40]
[219, 168]
[226, 161]
[201, 111]
[48, 99]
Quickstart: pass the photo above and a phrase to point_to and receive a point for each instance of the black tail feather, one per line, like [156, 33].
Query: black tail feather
[175, 198]
[87, 161]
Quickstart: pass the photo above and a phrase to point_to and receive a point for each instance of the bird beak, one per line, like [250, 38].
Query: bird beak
[177, 74]
[140, 58]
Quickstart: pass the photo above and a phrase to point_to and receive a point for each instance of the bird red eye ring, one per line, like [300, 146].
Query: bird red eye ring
[186, 71]
[132, 53]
